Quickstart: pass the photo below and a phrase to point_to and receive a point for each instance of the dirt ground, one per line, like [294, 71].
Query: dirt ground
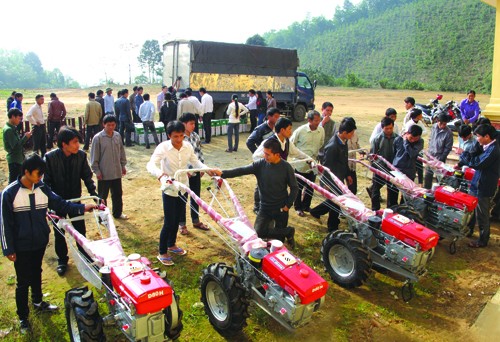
[448, 299]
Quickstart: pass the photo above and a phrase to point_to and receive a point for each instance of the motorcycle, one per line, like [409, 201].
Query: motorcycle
[428, 108]
[453, 110]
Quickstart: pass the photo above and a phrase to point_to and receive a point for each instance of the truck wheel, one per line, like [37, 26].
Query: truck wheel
[224, 298]
[345, 259]
[299, 113]
[82, 316]
[173, 319]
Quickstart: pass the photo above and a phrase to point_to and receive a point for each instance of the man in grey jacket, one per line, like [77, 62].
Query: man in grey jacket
[108, 160]
[440, 144]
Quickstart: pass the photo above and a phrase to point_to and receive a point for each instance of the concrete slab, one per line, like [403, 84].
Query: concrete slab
[487, 326]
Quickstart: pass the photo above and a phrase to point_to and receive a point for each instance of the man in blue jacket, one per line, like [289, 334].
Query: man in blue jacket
[25, 233]
[486, 161]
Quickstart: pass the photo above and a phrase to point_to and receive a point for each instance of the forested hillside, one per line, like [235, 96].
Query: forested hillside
[414, 44]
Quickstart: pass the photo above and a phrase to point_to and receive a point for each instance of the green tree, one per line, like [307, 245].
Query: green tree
[256, 40]
[150, 58]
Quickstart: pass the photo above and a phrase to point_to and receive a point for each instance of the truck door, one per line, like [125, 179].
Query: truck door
[305, 91]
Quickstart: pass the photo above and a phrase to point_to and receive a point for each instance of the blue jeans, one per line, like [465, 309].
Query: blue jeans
[230, 128]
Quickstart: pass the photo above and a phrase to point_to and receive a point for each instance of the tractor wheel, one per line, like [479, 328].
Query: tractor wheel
[299, 113]
[224, 298]
[82, 316]
[346, 259]
[173, 319]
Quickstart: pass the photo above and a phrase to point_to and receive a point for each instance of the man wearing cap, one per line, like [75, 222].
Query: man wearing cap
[109, 102]
[57, 114]
[440, 144]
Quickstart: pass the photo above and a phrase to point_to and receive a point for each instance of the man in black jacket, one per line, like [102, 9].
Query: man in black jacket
[259, 134]
[336, 159]
[66, 167]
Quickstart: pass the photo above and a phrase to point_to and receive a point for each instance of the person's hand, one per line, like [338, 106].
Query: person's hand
[124, 171]
[284, 209]
[466, 121]
[349, 180]
[99, 177]
[456, 166]
[325, 119]
[28, 134]
[90, 207]
[12, 257]
[214, 172]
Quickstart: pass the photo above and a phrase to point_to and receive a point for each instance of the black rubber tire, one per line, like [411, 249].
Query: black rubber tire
[299, 113]
[346, 259]
[409, 212]
[82, 316]
[173, 332]
[224, 299]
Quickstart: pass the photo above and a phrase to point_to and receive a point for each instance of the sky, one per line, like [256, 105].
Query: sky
[92, 41]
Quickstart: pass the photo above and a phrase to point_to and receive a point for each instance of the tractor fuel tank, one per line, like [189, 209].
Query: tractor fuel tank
[455, 198]
[294, 276]
[409, 231]
[141, 286]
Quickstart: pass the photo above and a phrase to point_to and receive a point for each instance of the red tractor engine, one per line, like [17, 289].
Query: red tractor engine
[455, 198]
[409, 231]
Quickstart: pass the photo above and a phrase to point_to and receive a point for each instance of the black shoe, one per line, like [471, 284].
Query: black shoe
[61, 269]
[307, 209]
[24, 326]
[148, 147]
[470, 233]
[45, 307]
[255, 211]
[205, 142]
[290, 239]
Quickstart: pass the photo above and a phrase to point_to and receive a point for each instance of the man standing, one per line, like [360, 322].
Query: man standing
[308, 138]
[18, 103]
[383, 145]
[67, 166]
[11, 99]
[131, 99]
[252, 107]
[109, 101]
[336, 159]
[57, 114]
[99, 99]
[486, 162]
[207, 109]
[409, 105]
[168, 157]
[161, 97]
[36, 119]
[185, 106]
[124, 115]
[328, 126]
[193, 138]
[13, 143]
[138, 99]
[259, 134]
[391, 114]
[92, 118]
[406, 150]
[274, 177]
[25, 233]
[108, 160]
[440, 145]
[147, 115]
[197, 105]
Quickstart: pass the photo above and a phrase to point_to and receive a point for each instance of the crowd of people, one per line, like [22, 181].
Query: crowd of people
[272, 142]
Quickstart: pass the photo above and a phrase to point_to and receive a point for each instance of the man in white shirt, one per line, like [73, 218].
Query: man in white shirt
[36, 119]
[168, 157]
[109, 102]
[207, 111]
[391, 114]
[252, 107]
[147, 115]
[197, 105]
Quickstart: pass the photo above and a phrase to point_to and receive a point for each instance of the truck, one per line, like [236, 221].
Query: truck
[225, 69]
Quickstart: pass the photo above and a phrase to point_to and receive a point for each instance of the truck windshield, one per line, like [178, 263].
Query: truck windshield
[303, 82]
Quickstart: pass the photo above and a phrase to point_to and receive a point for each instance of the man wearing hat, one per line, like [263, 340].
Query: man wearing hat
[440, 144]
[57, 114]
[109, 102]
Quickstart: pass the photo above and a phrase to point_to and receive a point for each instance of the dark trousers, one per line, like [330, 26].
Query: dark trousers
[207, 126]
[420, 171]
[392, 192]
[233, 128]
[90, 132]
[150, 126]
[126, 132]
[429, 176]
[53, 126]
[60, 241]
[195, 185]
[28, 266]
[303, 202]
[483, 219]
[333, 214]
[115, 185]
[495, 212]
[39, 139]
[14, 171]
[197, 123]
[172, 207]
[256, 199]
[264, 224]
[253, 119]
